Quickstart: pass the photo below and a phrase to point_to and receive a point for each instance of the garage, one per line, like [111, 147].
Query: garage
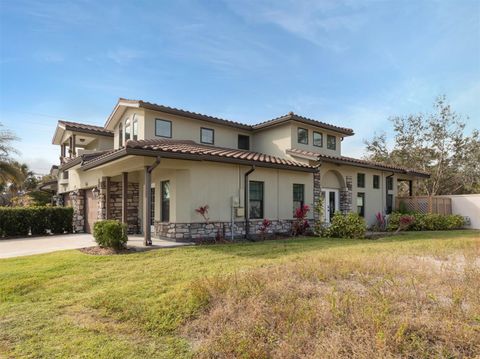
[91, 210]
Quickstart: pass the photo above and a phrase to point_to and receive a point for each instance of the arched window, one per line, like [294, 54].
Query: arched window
[134, 128]
[127, 129]
[120, 134]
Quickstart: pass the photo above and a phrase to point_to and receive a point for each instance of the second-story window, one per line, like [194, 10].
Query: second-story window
[127, 129]
[135, 128]
[376, 181]
[302, 136]
[120, 134]
[163, 128]
[207, 135]
[361, 180]
[243, 142]
[331, 142]
[317, 139]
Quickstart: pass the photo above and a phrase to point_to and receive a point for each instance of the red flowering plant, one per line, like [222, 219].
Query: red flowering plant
[300, 225]
[405, 222]
[264, 227]
[381, 223]
[203, 211]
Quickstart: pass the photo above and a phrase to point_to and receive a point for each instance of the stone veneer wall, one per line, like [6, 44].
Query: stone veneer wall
[198, 230]
[133, 202]
[346, 196]
[77, 200]
[317, 192]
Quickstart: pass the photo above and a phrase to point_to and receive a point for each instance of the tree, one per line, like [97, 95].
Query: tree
[434, 143]
[8, 171]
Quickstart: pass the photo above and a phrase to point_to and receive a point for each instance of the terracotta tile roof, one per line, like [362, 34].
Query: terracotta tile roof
[84, 158]
[354, 161]
[83, 127]
[294, 117]
[288, 117]
[191, 150]
[190, 114]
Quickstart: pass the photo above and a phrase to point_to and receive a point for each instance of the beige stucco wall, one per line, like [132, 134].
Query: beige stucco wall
[375, 198]
[197, 183]
[310, 147]
[189, 129]
[139, 115]
[274, 140]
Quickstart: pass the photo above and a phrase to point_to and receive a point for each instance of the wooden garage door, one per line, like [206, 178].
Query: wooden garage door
[91, 210]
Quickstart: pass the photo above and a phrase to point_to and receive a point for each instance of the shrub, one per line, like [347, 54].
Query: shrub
[110, 233]
[427, 222]
[19, 221]
[349, 225]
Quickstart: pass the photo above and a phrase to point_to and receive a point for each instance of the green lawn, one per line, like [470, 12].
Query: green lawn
[256, 299]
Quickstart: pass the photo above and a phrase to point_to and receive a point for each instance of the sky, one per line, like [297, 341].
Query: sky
[351, 63]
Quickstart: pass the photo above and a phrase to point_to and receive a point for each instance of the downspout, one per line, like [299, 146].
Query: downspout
[148, 201]
[245, 201]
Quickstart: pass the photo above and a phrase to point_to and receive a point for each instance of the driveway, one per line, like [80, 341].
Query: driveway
[27, 246]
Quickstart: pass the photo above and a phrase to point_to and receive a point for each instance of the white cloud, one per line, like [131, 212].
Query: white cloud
[314, 21]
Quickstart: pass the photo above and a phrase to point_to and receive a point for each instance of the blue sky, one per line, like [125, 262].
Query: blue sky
[350, 63]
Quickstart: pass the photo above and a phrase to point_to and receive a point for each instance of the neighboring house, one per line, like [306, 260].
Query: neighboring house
[152, 166]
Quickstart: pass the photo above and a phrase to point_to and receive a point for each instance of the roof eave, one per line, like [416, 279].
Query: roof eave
[121, 104]
[185, 156]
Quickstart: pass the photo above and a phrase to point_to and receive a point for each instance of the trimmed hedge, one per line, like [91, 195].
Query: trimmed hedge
[427, 222]
[18, 221]
[110, 233]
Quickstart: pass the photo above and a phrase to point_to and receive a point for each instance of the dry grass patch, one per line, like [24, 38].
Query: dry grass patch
[359, 306]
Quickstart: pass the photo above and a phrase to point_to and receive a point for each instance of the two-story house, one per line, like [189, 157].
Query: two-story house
[152, 166]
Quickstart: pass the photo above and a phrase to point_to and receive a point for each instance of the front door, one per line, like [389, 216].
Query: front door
[331, 203]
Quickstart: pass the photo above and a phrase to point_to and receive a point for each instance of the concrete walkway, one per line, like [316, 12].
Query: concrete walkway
[27, 246]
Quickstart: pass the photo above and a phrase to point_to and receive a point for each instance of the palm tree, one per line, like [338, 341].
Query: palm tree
[9, 172]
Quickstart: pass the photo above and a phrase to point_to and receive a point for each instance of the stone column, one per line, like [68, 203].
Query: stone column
[317, 192]
[78, 204]
[346, 196]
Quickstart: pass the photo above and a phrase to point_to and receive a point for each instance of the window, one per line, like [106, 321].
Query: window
[389, 203]
[243, 142]
[361, 180]
[331, 142]
[390, 184]
[127, 129]
[376, 181]
[302, 135]
[135, 128]
[165, 214]
[256, 199]
[207, 135]
[163, 128]
[361, 204]
[120, 134]
[298, 195]
[317, 139]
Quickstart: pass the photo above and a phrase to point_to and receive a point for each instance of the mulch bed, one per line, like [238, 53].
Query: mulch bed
[100, 251]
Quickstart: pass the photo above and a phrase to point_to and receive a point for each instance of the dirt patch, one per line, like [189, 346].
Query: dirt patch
[101, 251]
